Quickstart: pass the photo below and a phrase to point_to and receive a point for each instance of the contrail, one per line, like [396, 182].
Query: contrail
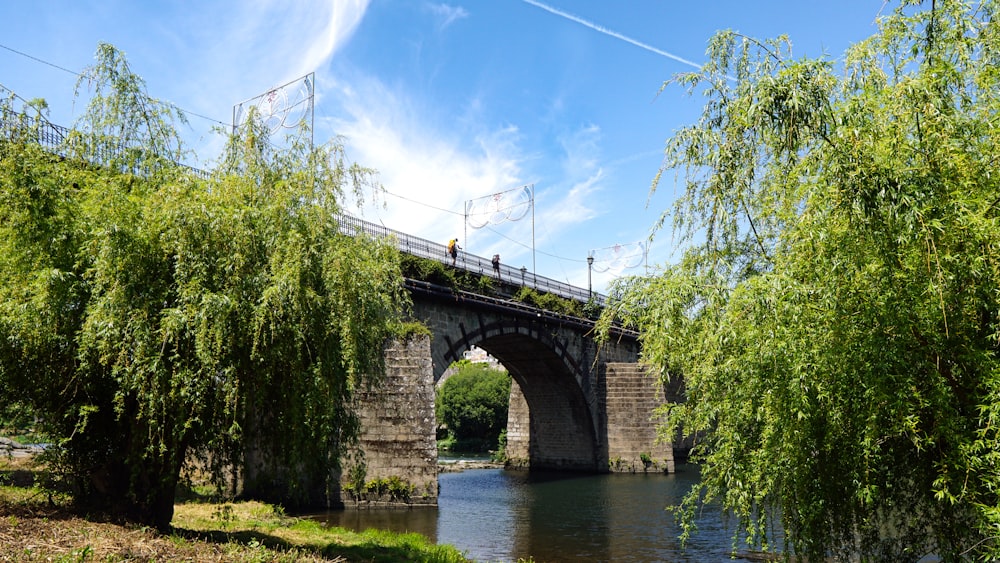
[614, 34]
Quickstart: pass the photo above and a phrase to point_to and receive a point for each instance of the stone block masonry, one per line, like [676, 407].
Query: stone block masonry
[631, 443]
[518, 429]
[631, 396]
[398, 450]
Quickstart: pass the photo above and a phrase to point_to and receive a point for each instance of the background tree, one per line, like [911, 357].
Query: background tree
[149, 315]
[472, 404]
[834, 316]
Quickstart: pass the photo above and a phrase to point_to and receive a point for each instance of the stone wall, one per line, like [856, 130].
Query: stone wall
[631, 396]
[518, 429]
[628, 440]
[396, 461]
[397, 433]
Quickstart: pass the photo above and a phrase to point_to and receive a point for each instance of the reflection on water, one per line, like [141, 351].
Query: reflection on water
[497, 515]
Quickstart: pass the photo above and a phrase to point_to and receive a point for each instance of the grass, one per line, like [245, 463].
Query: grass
[254, 523]
[36, 526]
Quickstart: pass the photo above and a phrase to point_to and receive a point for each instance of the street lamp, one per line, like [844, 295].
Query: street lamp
[590, 266]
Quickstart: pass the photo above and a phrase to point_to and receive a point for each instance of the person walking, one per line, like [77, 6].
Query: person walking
[496, 265]
[453, 249]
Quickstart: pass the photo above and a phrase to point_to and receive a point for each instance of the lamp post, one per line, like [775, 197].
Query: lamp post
[590, 267]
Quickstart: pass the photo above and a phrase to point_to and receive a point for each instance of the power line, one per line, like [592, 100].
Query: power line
[494, 231]
[385, 191]
[30, 104]
[519, 243]
[80, 75]
[53, 65]
[186, 112]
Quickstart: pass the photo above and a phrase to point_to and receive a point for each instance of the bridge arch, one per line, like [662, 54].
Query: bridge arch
[551, 422]
[555, 420]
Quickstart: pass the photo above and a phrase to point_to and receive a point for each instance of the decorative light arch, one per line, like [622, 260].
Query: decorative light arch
[501, 207]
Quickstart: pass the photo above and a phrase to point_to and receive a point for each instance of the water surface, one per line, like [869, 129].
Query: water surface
[498, 515]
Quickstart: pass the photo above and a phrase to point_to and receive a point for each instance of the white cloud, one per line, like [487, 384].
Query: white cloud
[291, 39]
[234, 51]
[583, 151]
[431, 166]
[430, 172]
[574, 199]
[333, 30]
[571, 208]
[448, 14]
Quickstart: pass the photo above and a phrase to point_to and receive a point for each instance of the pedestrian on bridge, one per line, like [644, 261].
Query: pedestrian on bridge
[496, 265]
[453, 249]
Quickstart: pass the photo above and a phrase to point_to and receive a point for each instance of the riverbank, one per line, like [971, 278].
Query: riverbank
[449, 466]
[38, 526]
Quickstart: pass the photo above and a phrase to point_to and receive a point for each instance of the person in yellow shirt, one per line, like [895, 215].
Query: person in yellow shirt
[453, 249]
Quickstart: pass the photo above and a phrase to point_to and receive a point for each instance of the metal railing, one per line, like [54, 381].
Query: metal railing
[424, 248]
[15, 125]
[58, 140]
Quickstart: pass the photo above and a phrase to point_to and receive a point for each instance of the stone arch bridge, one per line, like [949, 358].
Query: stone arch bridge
[560, 417]
[575, 405]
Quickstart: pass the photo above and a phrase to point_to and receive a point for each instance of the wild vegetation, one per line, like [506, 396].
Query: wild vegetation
[835, 315]
[151, 316]
[38, 524]
[441, 274]
[471, 407]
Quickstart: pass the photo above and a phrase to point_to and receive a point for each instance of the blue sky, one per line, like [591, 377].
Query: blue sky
[449, 101]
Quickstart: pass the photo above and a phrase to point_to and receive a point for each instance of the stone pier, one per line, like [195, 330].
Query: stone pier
[628, 440]
[631, 396]
[398, 449]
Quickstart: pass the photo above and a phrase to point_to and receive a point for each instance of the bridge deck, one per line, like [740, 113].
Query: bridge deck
[424, 248]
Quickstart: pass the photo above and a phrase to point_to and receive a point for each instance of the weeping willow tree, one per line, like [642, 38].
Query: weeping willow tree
[152, 316]
[834, 316]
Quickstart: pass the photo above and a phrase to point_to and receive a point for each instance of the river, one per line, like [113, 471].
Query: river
[498, 515]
